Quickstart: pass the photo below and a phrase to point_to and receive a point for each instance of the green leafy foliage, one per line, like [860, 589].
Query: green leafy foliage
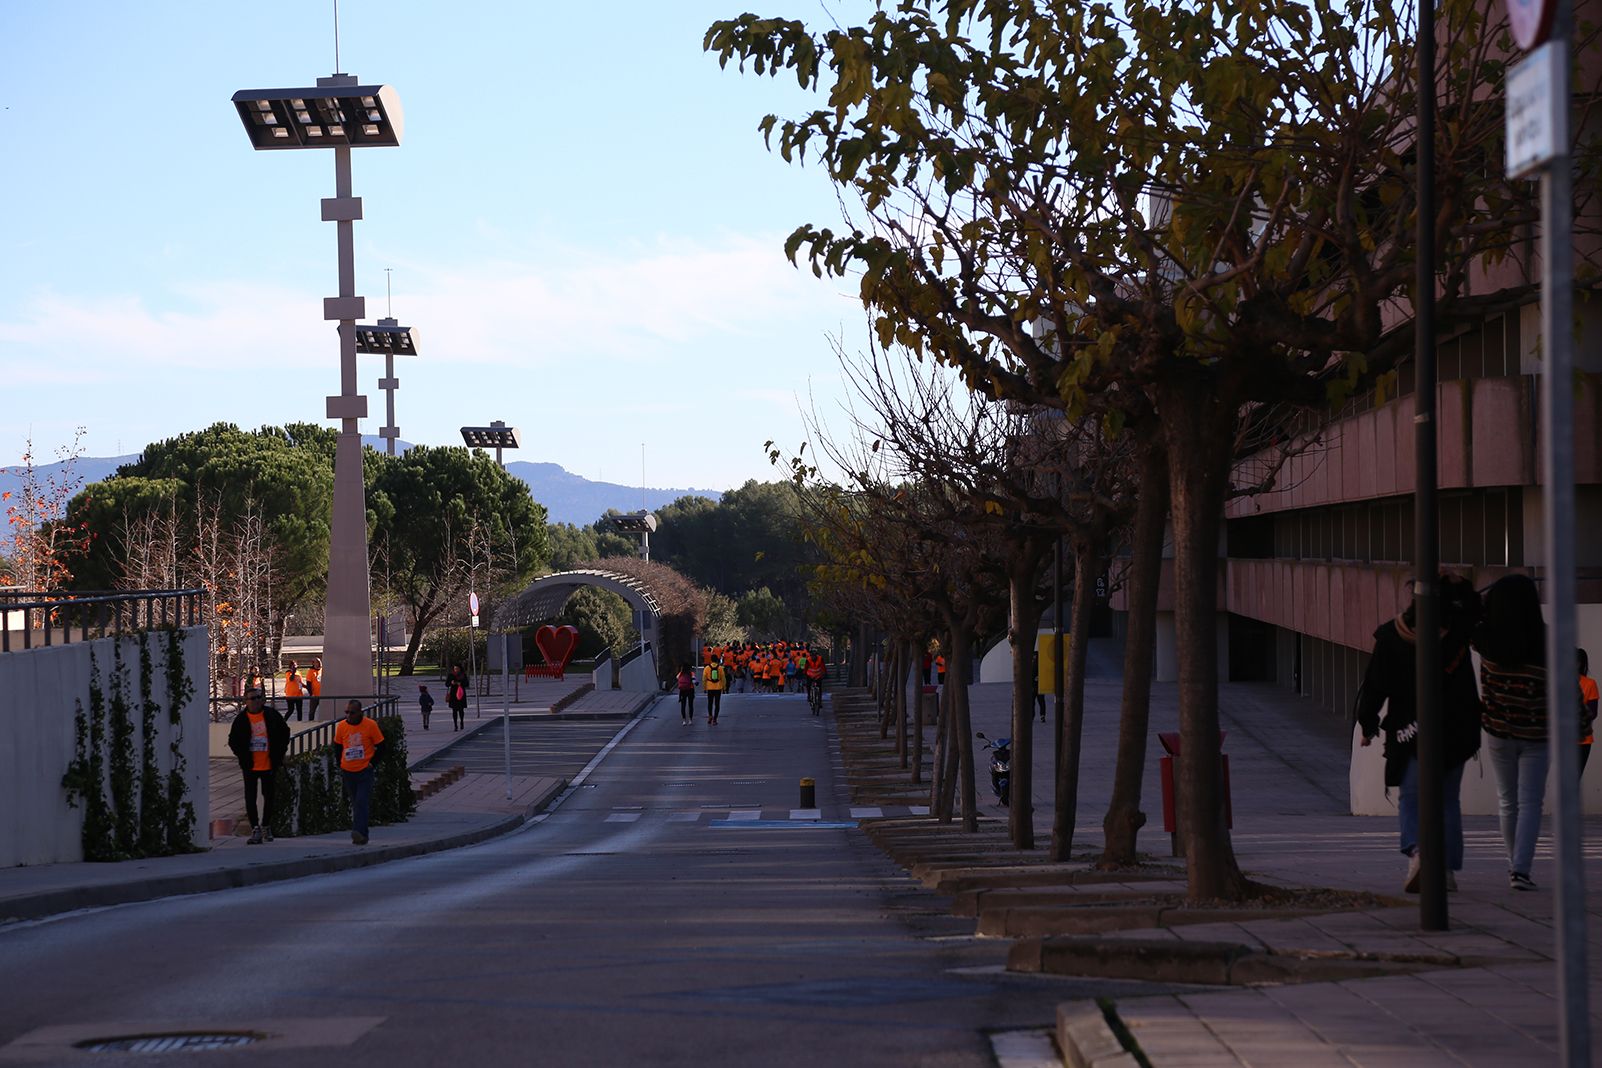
[147, 813]
[749, 539]
[445, 519]
[604, 620]
[287, 471]
[124, 794]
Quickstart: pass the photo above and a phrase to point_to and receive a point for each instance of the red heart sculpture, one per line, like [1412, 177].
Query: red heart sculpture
[557, 644]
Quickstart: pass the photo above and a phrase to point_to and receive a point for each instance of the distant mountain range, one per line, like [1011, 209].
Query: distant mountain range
[568, 498]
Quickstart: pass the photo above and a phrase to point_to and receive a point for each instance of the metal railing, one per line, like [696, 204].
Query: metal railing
[68, 616]
[331, 707]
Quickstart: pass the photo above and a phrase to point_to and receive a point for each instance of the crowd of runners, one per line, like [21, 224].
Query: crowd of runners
[751, 667]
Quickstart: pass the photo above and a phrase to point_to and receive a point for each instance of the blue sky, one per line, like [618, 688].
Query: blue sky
[583, 224]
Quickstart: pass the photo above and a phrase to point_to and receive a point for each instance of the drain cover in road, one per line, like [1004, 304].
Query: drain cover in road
[791, 825]
[193, 1043]
[842, 993]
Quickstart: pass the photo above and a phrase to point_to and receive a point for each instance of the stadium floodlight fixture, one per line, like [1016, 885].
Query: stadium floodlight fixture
[496, 436]
[385, 338]
[642, 523]
[322, 116]
[633, 523]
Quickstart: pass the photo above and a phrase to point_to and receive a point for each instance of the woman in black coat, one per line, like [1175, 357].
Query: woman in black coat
[1391, 681]
[456, 695]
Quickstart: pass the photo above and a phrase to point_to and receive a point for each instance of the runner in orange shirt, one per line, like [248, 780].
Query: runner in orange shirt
[359, 741]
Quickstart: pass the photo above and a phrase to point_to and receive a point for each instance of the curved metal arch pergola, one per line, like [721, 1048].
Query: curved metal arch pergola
[545, 597]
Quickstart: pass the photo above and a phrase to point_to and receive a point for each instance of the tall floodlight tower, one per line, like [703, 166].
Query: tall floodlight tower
[340, 114]
[389, 339]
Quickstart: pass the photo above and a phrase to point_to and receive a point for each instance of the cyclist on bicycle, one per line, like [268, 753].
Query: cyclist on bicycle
[814, 671]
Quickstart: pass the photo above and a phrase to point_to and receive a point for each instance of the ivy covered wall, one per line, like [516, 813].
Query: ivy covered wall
[103, 748]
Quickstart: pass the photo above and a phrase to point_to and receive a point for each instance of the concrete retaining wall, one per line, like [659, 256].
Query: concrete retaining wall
[39, 691]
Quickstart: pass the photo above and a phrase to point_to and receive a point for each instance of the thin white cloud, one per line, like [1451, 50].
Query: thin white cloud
[638, 305]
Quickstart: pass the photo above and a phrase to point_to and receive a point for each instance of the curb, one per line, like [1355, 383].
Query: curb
[55, 902]
[1086, 1040]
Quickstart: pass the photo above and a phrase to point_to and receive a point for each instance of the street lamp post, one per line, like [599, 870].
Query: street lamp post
[340, 114]
[388, 339]
[496, 436]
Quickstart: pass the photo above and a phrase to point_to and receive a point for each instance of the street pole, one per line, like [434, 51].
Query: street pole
[1059, 676]
[1557, 452]
[506, 709]
[347, 648]
[1426, 597]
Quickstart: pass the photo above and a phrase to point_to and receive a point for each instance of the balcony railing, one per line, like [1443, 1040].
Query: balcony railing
[32, 617]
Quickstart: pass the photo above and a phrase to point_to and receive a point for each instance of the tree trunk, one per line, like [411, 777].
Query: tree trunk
[917, 738]
[857, 673]
[911, 693]
[422, 616]
[961, 656]
[1124, 818]
[1025, 617]
[1087, 565]
[887, 694]
[946, 757]
[1198, 427]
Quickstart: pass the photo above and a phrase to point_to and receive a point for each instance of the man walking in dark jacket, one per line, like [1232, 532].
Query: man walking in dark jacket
[259, 737]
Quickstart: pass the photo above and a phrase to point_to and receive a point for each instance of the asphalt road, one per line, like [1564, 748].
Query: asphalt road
[649, 920]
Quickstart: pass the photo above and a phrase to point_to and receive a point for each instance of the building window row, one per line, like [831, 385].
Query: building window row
[1478, 528]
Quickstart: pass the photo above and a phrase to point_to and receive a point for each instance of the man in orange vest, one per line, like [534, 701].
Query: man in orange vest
[359, 740]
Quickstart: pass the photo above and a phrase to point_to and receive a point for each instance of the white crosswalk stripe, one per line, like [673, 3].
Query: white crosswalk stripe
[867, 813]
[748, 814]
[805, 814]
[623, 817]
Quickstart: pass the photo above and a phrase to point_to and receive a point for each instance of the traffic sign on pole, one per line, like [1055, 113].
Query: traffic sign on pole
[1531, 21]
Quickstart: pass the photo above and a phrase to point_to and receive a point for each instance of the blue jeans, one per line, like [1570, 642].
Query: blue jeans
[1520, 789]
[1407, 812]
[359, 789]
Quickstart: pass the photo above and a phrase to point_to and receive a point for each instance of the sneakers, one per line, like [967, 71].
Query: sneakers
[255, 836]
[266, 834]
[1411, 886]
[358, 839]
[1519, 881]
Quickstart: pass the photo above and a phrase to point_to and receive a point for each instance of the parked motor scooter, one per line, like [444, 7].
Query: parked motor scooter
[1000, 766]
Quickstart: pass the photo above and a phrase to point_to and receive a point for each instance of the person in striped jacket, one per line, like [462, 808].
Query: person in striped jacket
[1511, 641]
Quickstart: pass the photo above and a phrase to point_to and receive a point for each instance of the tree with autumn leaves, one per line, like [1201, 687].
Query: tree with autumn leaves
[1205, 208]
[43, 538]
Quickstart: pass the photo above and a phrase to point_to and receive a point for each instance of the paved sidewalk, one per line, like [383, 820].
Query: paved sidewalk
[471, 810]
[1288, 763]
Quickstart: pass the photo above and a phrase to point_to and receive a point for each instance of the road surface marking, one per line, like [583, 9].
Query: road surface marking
[805, 814]
[866, 813]
[623, 817]
[918, 810]
[750, 814]
[683, 817]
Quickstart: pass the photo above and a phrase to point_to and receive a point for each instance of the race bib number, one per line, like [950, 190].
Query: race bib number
[258, 743]
[355, 752]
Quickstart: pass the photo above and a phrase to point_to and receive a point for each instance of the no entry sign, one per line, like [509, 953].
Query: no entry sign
[1531, 20]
